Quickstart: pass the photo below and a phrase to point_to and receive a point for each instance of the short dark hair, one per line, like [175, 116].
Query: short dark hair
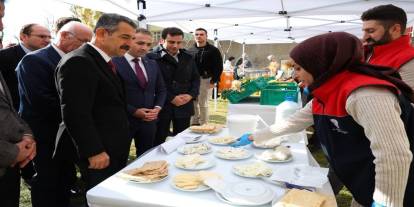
[64, 20]
[172, 31]
[110, 21]
[201, 29]
[144, 31]
[231, 58]
[388, 15]
[27, 29]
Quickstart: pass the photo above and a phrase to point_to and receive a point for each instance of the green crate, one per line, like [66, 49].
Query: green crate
[275, 94]
[237, 96]
[246, 90]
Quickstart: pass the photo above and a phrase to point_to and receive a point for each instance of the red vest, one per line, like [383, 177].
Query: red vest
[394, 54]
[330, 98]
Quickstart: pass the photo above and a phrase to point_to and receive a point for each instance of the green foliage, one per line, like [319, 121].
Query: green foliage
[88, 16]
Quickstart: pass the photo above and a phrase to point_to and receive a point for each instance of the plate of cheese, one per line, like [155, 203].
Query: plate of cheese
[223, 140]
[200, 148]
[296, 197]
[192, 182]
[233, 153]
[194, 162]
[278, 154]
[252, 170]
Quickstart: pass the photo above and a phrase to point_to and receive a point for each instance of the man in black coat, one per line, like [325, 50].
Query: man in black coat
[93, 104]
[210, 66]
[181, 79]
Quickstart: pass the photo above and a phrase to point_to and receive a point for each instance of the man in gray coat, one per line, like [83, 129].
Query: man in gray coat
[17, 146]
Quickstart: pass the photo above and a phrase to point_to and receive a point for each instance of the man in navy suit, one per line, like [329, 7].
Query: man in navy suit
[145, 90]
[40, 108]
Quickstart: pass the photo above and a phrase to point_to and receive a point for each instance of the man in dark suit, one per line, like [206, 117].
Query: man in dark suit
[32, 37]
[17, 146]
[181, 79]
[145, 90]
[40, 108]
[93, 103]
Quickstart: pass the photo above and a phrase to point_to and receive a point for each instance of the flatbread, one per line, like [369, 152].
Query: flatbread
[304, 198]
[150, 171]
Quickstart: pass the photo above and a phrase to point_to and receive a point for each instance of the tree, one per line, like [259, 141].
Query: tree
[88, 16]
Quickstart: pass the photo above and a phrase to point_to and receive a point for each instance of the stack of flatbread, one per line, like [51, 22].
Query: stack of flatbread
[304, 198]
[191, 181]
[206, 128]
[149, 172]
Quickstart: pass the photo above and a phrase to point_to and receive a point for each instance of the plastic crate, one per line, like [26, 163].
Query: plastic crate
[275, 94]
[237, 96]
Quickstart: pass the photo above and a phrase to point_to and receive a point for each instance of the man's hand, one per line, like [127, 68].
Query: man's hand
[177, 101]
[99, 161]
[140, 113]
[27, 151]
[152, 114]
[31, 147]
[185, 98]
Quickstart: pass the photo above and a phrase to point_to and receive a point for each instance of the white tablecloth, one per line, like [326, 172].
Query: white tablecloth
[114, 191]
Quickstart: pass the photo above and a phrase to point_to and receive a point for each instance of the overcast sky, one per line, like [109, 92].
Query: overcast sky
[21, 12]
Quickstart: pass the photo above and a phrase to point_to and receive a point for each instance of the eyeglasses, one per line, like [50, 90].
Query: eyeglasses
[80, 40]
[42, 36]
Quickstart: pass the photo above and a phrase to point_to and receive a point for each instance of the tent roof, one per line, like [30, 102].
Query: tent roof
[251, 21]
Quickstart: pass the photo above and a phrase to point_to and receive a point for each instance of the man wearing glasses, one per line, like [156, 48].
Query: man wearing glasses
[40, 108]
[32, 37]
[93, 102]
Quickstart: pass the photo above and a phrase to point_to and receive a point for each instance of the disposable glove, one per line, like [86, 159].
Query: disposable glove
[243, 140]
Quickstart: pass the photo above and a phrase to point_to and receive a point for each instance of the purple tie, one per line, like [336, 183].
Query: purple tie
[112, 67]
[140, 74]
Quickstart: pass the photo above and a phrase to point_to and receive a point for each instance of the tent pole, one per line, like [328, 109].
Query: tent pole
[215, 84]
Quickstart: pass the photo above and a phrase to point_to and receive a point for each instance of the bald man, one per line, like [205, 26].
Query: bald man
[40, 108]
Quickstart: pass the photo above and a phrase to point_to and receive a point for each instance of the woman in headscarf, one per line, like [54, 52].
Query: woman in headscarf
[362, 116]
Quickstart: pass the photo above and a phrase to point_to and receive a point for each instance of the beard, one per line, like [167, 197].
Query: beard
[385, 39]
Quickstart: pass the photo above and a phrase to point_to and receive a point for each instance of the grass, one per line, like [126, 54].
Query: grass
[217, 116]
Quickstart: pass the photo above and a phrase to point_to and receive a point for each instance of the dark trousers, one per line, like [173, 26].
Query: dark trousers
[163, 127]
[10, 188]
[143, 133]
[54, 178]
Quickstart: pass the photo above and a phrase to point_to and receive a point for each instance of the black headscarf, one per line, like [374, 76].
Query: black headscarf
[326, 55]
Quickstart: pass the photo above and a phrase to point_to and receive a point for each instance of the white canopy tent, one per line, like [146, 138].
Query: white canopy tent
[250, 21]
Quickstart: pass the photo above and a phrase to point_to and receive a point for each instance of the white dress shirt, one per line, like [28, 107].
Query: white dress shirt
[129, 58]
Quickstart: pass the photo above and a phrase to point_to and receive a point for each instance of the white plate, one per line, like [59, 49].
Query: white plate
[233, 169]
[199, 189]
[182, 149]
[202, 166]
[134, 179]
[248, 154]
[263, 146]
[257, 155]
[247, 193]
[210, 140]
